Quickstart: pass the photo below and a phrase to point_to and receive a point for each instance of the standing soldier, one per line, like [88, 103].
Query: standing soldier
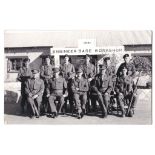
[67, 69]
[68, 72]
[110, 70]
[46, 73]
[88, 69]
[34, 89]
[124, 91]
[89, 73]
[80, 89]
[23, 75]
[101, 88]
[130, 67]
[57, 90]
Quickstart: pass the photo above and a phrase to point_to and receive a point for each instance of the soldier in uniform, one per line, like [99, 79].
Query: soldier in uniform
[46, 73]
[89, 73]
[80, 88]
[57, 90]
[101, 88]
[124, 91]
[110, 70]
[47, 70]
[34, 88]
[130, 67]
[68, 72]
[88, 69]
[67, 69]
[23, 75]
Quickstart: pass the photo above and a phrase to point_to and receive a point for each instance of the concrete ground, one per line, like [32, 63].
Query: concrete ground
[143, 115]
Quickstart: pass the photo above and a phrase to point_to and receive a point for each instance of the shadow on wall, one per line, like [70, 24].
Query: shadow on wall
[12, 103]
[37, 58]
[36, 63]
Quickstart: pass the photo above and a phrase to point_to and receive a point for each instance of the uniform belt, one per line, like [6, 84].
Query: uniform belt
[81, 92]
[58, 91]
[93, 93]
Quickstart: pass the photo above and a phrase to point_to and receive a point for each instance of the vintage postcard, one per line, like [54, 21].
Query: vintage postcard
[78, 77]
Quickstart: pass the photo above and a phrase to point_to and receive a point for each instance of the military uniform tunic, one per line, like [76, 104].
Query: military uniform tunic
[111, 71]
[46, 72]
[130, 67]
[89, 70]
[67, 70]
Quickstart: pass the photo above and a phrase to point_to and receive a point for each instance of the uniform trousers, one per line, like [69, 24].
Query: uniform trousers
[37, 102]
[122, 98]
[80, 99]
[102, 100]
[53, 97]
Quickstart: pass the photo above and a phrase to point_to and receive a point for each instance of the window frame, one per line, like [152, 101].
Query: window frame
[9, 58]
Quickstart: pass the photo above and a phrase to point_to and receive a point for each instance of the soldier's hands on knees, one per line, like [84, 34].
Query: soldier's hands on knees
[35, 96]
[64, 95]
[89, 79]
[121, 94]
[77, 88]
[106, 93]
[30, 95]
[47, 95]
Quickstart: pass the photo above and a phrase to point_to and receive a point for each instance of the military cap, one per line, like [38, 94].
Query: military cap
[79, 70]
[35, 71]
[102, 67]
[106, 58]
[56, 70]
[26, 59]
[125, 55]
[66, 55]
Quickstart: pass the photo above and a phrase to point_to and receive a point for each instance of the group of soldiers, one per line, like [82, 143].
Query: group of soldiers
[51, 90]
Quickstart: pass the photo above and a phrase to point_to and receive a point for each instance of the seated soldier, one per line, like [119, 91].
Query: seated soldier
[80, 88]
[130, 66]
[101, 88]
[56, 90]
[34, 89]
[124, 91]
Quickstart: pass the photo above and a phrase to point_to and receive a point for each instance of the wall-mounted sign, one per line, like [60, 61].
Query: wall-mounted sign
[86, 43]
[91, 51]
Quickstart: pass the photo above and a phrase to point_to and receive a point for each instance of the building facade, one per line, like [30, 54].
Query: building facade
[37, 45]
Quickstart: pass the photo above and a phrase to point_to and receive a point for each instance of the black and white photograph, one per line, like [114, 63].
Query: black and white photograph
[78, 77]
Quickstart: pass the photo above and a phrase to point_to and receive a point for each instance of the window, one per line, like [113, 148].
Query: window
[15, 63]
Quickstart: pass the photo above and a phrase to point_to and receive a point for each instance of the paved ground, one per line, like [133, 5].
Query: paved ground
[143, 115]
